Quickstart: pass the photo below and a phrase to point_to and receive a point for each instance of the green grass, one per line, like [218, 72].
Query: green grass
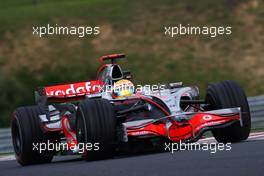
[132, 27]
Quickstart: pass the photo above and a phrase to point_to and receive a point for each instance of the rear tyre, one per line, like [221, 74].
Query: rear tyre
[228, 94]
[96, 127]
[26, 131]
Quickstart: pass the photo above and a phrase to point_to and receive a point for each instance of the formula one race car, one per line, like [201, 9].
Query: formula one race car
[108, 115]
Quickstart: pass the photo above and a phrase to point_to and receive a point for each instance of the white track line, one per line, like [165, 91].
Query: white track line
[260, 135]
[7, 158]
[257, 135]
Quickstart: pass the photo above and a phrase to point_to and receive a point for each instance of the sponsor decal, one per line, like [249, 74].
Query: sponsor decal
[137, 133]
[210, 124]
[75, 89]
[207, 117]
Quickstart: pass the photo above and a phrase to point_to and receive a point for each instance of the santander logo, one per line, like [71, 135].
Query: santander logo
[75, 89]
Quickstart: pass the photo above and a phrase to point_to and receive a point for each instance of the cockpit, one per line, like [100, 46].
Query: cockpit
[110, 73]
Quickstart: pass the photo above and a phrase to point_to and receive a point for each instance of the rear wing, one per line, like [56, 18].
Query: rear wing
[112, 57]
[67, 92]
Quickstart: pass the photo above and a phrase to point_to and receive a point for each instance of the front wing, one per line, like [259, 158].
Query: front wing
[187, 126]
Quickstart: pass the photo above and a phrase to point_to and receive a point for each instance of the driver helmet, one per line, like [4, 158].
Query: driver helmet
[123, 88]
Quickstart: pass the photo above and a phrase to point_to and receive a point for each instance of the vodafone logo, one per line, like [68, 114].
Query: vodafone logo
[207, 117]
[72, 90]
[76, 89]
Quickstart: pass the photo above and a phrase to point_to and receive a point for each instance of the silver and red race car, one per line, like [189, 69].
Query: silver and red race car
[102, 117]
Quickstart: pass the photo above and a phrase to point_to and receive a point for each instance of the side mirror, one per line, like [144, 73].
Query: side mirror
[127, 75]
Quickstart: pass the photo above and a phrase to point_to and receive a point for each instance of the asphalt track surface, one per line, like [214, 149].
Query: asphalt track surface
[244, 159]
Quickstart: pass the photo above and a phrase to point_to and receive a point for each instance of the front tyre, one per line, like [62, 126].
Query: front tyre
[26, 131]
[228, 94]
[96, 126]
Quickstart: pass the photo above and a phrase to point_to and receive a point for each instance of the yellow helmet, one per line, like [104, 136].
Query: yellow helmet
[123, 88]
